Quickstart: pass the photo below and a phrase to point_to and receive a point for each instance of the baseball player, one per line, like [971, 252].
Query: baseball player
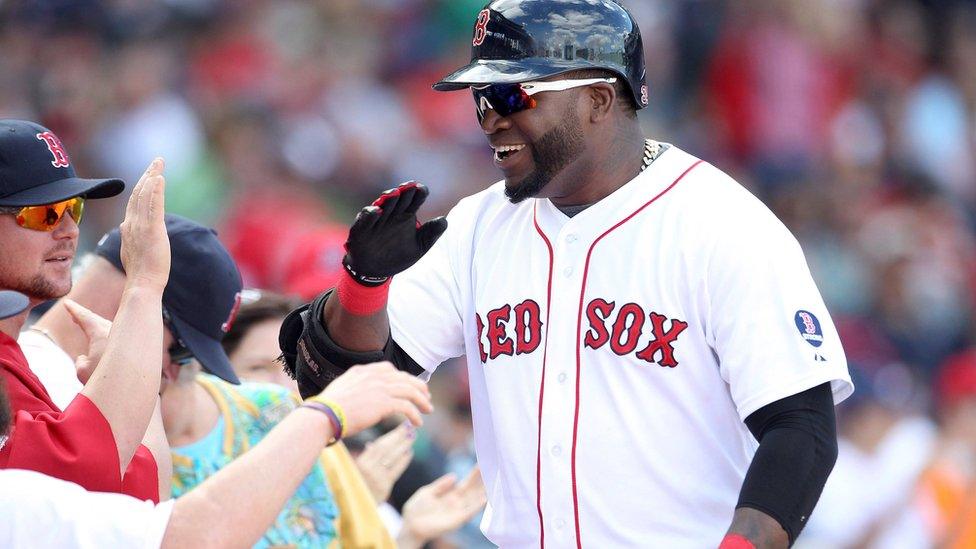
[650, 362]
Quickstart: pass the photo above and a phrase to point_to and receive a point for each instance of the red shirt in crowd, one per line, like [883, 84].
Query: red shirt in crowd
[76, 444]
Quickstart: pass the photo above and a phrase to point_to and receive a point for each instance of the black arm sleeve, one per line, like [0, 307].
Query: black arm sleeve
[797, 449]
[314, 360]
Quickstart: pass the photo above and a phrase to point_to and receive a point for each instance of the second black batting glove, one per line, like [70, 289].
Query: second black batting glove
[387, 238]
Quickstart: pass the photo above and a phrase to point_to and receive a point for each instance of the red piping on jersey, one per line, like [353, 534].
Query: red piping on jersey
[542, 387]
[579, 324]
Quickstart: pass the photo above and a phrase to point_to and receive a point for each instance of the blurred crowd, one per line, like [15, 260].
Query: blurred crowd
[854, 120]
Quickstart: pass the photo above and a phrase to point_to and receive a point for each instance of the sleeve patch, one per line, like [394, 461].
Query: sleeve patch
[809, 327]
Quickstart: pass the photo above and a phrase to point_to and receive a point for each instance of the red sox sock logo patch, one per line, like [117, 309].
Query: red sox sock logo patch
[809, 328]
[54, 145]
[517, 330]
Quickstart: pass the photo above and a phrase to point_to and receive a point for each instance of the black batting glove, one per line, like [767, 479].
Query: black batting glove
[387, 238]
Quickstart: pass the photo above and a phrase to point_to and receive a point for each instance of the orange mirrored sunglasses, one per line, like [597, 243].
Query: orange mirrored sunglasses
[47, 217]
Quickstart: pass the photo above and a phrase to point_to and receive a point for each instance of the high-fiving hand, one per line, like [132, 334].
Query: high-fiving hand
[371, 392]
[387, 238]
[145, 245]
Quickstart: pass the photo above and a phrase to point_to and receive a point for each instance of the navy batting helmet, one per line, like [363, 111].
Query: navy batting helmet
[521, 40]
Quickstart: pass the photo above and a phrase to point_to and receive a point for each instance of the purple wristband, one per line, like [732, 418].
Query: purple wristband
[333, 419]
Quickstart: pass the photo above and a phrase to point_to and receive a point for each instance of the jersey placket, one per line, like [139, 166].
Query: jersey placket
[572, 241]
[559, 391]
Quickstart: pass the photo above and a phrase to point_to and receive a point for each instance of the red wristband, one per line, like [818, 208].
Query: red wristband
[361, 300]
[736, 541]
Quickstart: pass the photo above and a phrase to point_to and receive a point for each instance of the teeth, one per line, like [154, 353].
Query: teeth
[509, 148]
[504, 151]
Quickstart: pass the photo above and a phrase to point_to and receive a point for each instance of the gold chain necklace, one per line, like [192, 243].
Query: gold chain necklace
[651, 150]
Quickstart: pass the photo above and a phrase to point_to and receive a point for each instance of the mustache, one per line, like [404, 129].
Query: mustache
[66, 247]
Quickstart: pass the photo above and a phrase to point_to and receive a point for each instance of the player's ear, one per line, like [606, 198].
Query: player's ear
[602, 97]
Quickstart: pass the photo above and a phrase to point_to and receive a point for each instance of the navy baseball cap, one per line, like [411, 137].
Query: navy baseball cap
[35, 168]
[203, 293]
[12, 303]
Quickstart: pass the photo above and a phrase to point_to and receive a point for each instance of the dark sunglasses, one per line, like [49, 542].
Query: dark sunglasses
[508, 99]
[178, 351]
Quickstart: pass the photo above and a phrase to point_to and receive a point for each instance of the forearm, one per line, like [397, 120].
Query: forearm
[223, 512]
[797, 450]
[158, 445]
[762, 530]
[354, 332]
[125, 384]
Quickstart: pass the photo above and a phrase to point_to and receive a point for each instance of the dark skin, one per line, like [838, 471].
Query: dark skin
[611, 156]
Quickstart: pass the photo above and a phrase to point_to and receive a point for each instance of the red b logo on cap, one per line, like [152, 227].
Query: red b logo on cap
[57, 149]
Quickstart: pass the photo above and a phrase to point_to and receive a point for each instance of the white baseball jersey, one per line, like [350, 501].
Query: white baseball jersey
[614, 355]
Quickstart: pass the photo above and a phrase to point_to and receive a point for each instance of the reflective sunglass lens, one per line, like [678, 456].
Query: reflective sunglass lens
[505, 99]
[77, 209]
[48, 216]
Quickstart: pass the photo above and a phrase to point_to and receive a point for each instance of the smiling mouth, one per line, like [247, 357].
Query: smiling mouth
[502, 152]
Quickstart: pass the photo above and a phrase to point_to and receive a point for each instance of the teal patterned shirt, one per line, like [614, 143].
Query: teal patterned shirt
[248, 412]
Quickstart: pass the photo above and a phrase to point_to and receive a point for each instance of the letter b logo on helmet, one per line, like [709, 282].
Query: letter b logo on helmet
[523, 40]
[481, 28]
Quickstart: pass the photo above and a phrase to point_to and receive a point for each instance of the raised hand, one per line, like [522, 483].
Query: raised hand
[371, 392]
[385, 459]
[145, 245]
[441, 507]
[387, 238]
[96, 330]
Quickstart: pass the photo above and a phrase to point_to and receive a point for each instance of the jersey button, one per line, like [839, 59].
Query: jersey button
[562, 377]
[560, 524]
[556, 450]
[568, 271]
[570, 238]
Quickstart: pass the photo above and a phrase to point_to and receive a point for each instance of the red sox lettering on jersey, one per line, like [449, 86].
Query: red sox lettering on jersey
[612, 356]
[521, 333]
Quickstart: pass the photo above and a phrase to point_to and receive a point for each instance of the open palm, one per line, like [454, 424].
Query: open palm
[443, 506]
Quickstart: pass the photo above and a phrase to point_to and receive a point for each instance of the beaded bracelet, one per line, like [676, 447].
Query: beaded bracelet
[333, 411]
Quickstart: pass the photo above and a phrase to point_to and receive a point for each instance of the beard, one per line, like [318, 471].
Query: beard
[38, 288]
[551, 153]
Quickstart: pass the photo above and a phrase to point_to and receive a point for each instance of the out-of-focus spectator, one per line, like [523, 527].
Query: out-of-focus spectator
[252, 342]
[210, 423]
[942, 512]
[431, 511]
[885, 443]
